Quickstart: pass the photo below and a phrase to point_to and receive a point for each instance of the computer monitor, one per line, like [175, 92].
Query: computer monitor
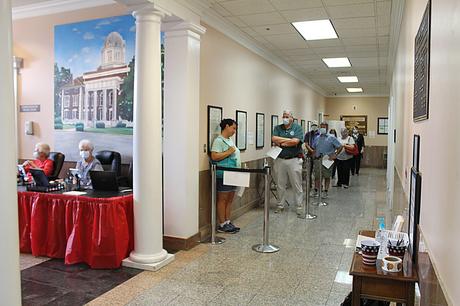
[41, 180]
[104, 180]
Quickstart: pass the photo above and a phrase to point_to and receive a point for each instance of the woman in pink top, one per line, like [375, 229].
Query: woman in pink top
[41, 161]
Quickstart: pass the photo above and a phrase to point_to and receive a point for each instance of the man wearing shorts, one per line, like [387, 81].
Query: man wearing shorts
[325, 145]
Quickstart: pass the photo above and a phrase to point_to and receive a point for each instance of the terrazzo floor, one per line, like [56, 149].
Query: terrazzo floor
[311, 267]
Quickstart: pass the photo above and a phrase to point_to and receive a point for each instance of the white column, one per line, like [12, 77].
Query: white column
[104, 105]
[10, 281]
[182, 105]
[80, 104]
[114, 104]
[86, 107]
[148, 251]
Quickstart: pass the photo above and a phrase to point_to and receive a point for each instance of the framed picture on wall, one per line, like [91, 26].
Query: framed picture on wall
[260, 130]
[414, 212]
[302, 124]
[309, 124]
[214, 119]
[242, 130]
[296, 121]
[382, 125]
[416, 153]
[356, 120]
[275, 122]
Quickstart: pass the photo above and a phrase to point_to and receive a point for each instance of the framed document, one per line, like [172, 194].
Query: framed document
[416, 153]
[214, 119]
[382, 125]
[242, 129]
[296, 121]
[302, 124]
[260, 130]
[275, 122]
[414, 212]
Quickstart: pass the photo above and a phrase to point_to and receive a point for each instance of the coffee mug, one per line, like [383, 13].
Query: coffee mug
[391, 264]
[369, 251]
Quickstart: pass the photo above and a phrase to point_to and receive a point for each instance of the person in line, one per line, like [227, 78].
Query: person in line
[87, 163]
[309, 139]
[41, 160]
[225, 154]
[325, 145]
[359, 140]
[344, 159]
[333, 132]
[288, 166]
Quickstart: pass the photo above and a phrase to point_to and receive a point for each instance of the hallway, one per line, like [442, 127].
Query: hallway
[310, 269]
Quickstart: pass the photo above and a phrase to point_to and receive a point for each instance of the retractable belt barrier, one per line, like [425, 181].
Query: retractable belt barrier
[264, 247]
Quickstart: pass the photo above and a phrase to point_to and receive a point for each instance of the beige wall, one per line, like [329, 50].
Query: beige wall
[439, 147]
[372, 107]
[237, 79]
[33, 40]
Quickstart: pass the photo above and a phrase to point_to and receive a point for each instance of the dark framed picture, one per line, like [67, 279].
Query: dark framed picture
[260, 130]
[416, 153]
[214, 119]
[382, 125]
[414, 212]
[302, 124]
[275, 122]
[296, 121]
[309, 124]
[242, 130]
[355, 120]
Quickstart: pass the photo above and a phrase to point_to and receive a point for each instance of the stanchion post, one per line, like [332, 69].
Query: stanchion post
[320, 195]
[214, 239]
[266, 247]
[306, 209]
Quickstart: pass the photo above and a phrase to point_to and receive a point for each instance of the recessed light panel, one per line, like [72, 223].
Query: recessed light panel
[348, 79]
[337, 62]
[354, 90]
[316, 29]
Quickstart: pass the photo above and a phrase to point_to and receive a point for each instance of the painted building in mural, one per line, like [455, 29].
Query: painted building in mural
[92, 97]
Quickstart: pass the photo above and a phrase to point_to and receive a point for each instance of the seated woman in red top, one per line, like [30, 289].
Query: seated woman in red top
[41, 161]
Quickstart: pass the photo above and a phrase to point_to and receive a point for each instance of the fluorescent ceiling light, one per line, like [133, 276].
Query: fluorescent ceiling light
[337, 62]
[348, 79]
[316, 29]
[354, 89]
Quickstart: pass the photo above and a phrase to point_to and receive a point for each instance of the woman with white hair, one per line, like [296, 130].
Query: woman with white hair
[87, 162]
[41, 161]
[344, 159]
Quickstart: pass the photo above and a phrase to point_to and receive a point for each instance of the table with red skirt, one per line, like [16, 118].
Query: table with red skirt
[95, 230]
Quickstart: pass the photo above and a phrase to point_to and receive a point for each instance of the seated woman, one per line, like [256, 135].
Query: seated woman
[87, 162]
[41, 161]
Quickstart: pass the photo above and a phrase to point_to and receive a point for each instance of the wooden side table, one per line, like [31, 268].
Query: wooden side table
[374, 283]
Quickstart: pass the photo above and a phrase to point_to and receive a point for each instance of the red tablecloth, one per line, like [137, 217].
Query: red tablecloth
[97, 231]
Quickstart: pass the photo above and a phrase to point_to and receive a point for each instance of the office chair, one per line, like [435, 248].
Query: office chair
[58, 159]
[110, 160]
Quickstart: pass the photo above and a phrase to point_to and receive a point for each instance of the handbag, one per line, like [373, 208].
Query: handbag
[353, 151]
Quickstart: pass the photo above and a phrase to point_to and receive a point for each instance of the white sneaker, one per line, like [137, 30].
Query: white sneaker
[314, 194]
[279, 208]
[324, 194]
[345, 186]
[299, 210]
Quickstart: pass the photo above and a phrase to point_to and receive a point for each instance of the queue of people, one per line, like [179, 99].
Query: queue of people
[85, 164]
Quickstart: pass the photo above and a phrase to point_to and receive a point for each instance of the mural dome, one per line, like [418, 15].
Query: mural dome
[113, 52]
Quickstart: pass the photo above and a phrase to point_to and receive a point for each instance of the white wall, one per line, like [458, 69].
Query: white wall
[237, 79]
[440, 146]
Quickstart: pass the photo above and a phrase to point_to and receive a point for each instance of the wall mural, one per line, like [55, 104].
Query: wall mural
[94, 85]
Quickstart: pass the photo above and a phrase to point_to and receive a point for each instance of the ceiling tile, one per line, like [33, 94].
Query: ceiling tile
[383, 21]
[352, 41]
[295, 4]
[247, 7]
[361, 32]
[364, 62]
[362, 48]
[297, 52]
[288, 41]
[275, 29]
[384, 8]
[236, 21]
[250, 31]
[383, 31]
[305, 14]
[345, 2]
[220, 10]
[355, 10]
[324, 43]
[352, 23]
[263, 19]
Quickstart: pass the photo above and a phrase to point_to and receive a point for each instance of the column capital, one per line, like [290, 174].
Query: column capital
[146, 10]
[182, 29]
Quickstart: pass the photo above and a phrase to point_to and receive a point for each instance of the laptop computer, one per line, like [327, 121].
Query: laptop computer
[41, 180]
[104, 180]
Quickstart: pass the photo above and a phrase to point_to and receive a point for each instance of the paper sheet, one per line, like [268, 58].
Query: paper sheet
[326, 162]
[75, 193]
[236, 178]
[274, 152]
[240, 191]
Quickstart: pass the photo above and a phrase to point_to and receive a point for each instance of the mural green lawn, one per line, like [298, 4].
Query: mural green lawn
[117, 131]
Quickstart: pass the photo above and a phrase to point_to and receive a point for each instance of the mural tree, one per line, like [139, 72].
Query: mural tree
[126, 96]
[62, 77]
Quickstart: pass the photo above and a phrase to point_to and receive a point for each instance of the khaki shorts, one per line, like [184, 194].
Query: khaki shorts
[326, 173]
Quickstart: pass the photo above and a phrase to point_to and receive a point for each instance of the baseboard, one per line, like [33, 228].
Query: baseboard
[179, 244]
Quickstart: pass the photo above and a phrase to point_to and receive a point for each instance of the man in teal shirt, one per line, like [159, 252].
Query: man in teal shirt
[288, 166]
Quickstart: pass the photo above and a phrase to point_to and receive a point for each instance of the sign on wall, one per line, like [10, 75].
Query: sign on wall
[359, 121]
[422, 67]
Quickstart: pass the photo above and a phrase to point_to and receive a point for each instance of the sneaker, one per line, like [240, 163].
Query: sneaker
[345, 186]
[237, 229]
[324, 194]
[299, 210]
[337, 185]
[279, 209]
[226, 228]
[314, 193]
